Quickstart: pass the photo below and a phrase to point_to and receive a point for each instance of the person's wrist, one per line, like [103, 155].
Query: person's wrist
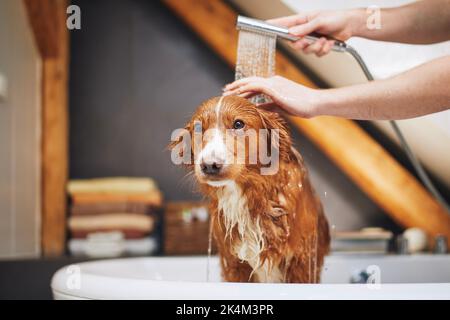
[357, 21]
[317, 104]
[323, 102]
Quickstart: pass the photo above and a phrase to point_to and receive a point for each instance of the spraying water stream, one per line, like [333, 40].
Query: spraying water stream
[256, 57]
[208, 262]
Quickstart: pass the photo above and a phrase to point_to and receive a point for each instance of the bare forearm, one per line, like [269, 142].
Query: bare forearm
[420, 91]
[421, 22]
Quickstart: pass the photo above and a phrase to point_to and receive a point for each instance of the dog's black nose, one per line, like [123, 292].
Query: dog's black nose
[211, 168]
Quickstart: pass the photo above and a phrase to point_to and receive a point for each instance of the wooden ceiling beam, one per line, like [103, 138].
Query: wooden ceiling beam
[43, 20]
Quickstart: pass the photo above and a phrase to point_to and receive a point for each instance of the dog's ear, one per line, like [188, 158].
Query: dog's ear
[274, 121]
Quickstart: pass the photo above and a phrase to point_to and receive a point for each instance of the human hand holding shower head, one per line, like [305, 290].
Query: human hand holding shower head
[259, 26]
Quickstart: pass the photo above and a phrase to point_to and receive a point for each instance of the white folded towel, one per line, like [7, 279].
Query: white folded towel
[111, 244]
[112, 185]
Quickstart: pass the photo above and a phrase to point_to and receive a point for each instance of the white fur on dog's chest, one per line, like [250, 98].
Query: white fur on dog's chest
[233, 206]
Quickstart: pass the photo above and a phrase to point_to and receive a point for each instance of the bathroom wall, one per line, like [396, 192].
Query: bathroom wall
[137, 73]
[19, 135]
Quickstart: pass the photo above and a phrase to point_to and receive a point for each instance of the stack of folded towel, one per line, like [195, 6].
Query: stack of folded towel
[110, 217]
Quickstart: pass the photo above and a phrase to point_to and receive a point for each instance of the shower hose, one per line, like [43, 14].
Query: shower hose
[411, 156]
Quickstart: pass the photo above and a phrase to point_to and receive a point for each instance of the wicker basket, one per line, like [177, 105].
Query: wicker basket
[186, 229]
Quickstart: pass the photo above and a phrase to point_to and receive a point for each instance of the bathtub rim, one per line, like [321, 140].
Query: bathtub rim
[149, 289]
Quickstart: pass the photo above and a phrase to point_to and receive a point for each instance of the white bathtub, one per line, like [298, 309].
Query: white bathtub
[395, 277]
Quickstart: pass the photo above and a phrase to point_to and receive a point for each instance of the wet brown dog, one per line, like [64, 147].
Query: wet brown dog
[268, 223]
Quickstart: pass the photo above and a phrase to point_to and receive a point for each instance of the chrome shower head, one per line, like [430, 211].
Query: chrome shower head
[255, 25]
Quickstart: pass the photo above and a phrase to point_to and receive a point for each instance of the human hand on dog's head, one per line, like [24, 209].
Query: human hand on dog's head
[287, 96]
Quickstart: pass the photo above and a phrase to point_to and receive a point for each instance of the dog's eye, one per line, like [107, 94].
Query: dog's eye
[238, 124]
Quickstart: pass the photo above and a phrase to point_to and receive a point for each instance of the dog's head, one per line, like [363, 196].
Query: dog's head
[228, 137]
